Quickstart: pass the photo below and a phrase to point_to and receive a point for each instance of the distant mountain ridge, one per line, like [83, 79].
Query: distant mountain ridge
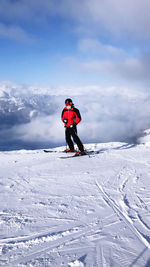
[18, 106]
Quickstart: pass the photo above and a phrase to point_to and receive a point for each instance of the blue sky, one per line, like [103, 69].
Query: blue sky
[68, 42]
[94, 51]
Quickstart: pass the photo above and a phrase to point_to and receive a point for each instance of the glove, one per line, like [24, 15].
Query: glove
[65, 120]
[72, 125]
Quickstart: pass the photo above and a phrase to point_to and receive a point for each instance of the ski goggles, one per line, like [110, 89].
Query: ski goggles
[68, 103]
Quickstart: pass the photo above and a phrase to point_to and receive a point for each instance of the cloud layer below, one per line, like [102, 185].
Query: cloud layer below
[30, 117]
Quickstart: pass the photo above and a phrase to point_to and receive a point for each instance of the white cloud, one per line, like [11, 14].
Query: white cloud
[15, 33]
[130, 69]
[120, 19]
[94, 46]
[108, 114]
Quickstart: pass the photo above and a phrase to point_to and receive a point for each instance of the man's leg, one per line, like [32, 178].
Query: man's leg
[68, 138]
[76, 139]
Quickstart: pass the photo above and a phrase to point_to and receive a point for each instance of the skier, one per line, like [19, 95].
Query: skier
[71, 117]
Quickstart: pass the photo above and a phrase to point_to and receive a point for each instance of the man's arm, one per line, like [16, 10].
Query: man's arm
[62, 115]
[78, 116]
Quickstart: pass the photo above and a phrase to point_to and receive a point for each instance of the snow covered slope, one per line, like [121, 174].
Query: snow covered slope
[84, 211]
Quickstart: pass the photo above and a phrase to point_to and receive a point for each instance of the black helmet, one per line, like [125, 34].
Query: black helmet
[68, 100]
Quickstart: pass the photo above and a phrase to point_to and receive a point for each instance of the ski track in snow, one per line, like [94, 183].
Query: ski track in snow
[87, 211]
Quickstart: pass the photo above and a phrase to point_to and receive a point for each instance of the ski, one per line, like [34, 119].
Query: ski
[88, 153]
[48, 151]
[56, 151]
[52, 151]
[71, 154]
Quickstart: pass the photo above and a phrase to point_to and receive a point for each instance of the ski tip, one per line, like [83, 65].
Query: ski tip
[48, 151]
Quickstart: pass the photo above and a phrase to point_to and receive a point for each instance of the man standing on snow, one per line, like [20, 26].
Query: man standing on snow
[71, 117]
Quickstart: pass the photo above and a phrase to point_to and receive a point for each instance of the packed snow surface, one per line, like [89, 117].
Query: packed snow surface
[84, 211]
